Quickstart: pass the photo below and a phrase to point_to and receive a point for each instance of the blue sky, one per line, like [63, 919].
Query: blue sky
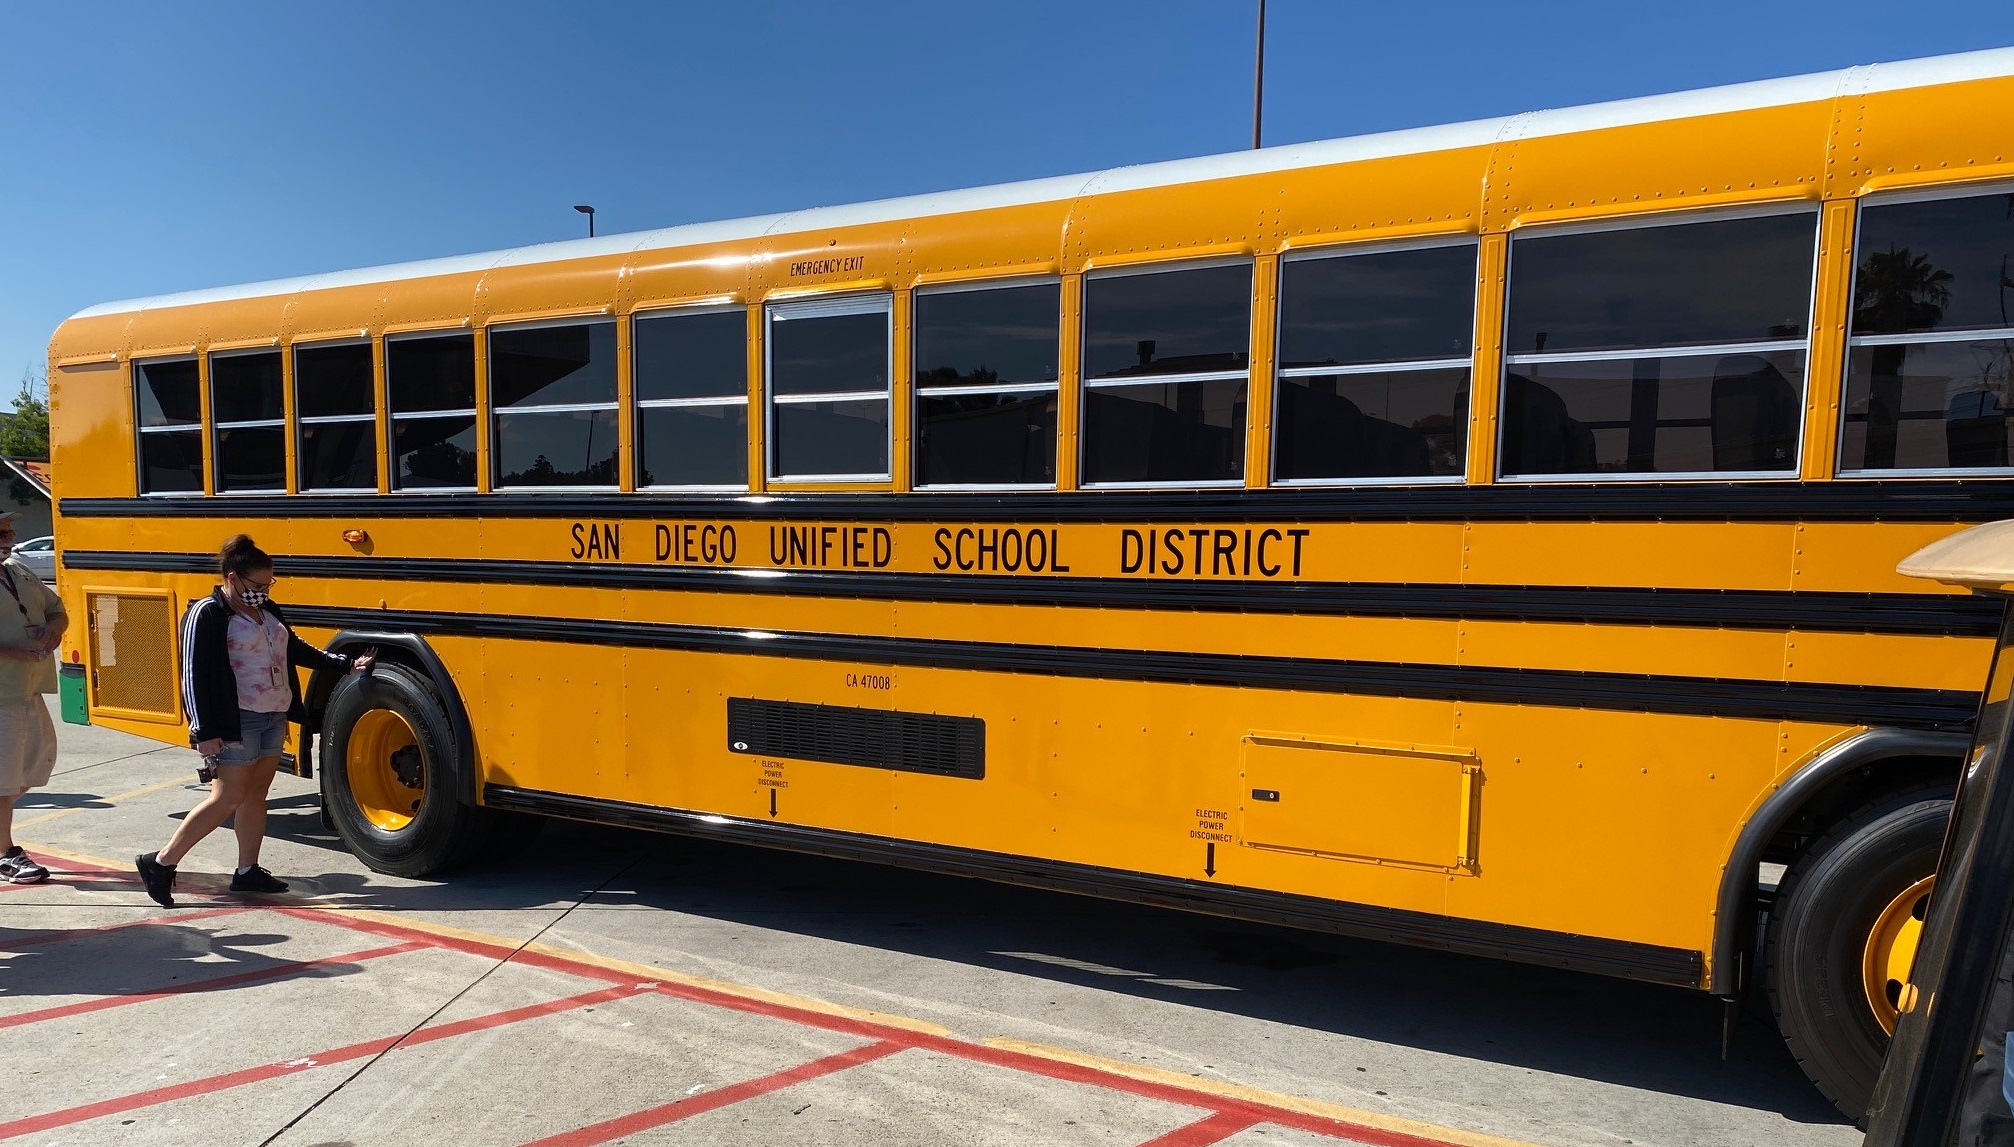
[147, 148]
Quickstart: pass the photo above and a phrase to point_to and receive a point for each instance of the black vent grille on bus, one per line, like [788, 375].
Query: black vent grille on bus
[874, 738]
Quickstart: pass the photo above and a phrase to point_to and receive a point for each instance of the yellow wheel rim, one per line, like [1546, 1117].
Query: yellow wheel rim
[387, 776]
[1891, 948]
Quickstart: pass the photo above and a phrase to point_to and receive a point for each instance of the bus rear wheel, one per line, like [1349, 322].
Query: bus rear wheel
[388, 772]
[1842, 937]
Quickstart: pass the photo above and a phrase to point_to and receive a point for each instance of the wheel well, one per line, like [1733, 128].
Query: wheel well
[411, 653]
[1849, 790]
[1840, 779]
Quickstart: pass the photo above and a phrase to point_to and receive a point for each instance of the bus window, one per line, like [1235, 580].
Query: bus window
[1930, 361]
[250, 452]
[336, 408]
[552, 389]
[829, 389]
[171, 426]
[986, 385]
[1373, 377]
[691, 382]
[431, 384]
[1166, 364]
[1673, 349]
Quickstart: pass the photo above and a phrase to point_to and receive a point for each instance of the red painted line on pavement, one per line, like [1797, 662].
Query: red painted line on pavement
[247, 977]
[1175, 1093]
[714, 1100]
[865, 1029]
[215, 1083]
[999, 1057]
[483, 948]
[1203, 1132]
[29, 941]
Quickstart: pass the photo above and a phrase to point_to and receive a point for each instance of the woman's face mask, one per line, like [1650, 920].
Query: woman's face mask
[252, 592]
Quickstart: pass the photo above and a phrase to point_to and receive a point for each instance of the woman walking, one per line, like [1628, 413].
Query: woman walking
[239, 688]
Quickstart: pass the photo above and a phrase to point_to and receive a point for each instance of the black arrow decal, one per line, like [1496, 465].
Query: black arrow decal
[772, 802]
[1209, 860]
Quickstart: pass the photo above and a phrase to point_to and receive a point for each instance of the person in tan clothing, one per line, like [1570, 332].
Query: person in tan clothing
[29, 634]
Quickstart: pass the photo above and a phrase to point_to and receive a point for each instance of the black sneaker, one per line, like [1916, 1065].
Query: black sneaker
[16, 867]
[159, 878]
[257, 880]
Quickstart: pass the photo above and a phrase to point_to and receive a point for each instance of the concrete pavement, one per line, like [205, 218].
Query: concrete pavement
[602, 986]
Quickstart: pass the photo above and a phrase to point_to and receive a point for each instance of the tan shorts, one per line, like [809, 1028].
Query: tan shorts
[27, 746]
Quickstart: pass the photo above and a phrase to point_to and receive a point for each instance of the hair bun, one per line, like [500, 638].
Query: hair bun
[241, 556]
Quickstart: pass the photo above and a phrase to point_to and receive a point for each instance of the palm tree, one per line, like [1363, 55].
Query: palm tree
[1896, 290]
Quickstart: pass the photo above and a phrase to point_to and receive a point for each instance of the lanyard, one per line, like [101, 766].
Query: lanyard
[273, 665]
[16, 594]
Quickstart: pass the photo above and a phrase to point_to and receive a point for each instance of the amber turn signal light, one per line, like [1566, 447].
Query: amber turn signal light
[355, 536]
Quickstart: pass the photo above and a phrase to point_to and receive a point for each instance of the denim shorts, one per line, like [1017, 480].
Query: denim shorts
[260, 735]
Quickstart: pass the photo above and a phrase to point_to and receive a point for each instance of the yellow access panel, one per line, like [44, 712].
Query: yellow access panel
[132, 647]
[1412, 806]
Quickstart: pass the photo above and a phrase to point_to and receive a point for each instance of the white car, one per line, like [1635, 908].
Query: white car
[38, 554]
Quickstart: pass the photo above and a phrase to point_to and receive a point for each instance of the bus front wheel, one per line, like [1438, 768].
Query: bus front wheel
[388, 775]
[1843, 934]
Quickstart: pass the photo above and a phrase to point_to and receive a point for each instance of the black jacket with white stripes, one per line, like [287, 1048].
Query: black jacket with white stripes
[210, 688]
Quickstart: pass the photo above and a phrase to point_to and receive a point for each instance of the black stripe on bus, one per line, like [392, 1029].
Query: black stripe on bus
[1773, 610]
[1926, 500]
[1907, 708]
[1677, 966]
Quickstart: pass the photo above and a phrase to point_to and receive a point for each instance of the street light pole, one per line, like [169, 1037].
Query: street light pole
[1259, 78]
[584, 209]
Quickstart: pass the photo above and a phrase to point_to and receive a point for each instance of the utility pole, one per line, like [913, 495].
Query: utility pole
[1259, 78]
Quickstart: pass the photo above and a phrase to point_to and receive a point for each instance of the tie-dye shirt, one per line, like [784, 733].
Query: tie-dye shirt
[259, 661]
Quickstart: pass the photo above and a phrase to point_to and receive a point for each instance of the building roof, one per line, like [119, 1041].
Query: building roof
[34, 471]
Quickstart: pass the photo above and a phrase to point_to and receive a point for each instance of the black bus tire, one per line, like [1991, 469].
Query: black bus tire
[1826, 909]
[396, 830]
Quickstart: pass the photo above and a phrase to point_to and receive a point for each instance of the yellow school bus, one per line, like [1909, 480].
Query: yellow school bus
[1481, 537]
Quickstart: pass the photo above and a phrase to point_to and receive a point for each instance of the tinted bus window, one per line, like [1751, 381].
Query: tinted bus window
[1166, 365]
[691, 381]
[250, 453]
[430, 381]
[1374, 365]
[335, 404]
[1701, 283]
[552, 391]
[245, 388]
[1930, 360]
[170, 451]
[333, 381]
[338, 456]
[1673, 349]
[986, 385]
[168, 393]
[829, 388]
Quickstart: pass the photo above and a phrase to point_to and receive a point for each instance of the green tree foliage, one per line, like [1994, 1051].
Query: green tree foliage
[24, 431]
